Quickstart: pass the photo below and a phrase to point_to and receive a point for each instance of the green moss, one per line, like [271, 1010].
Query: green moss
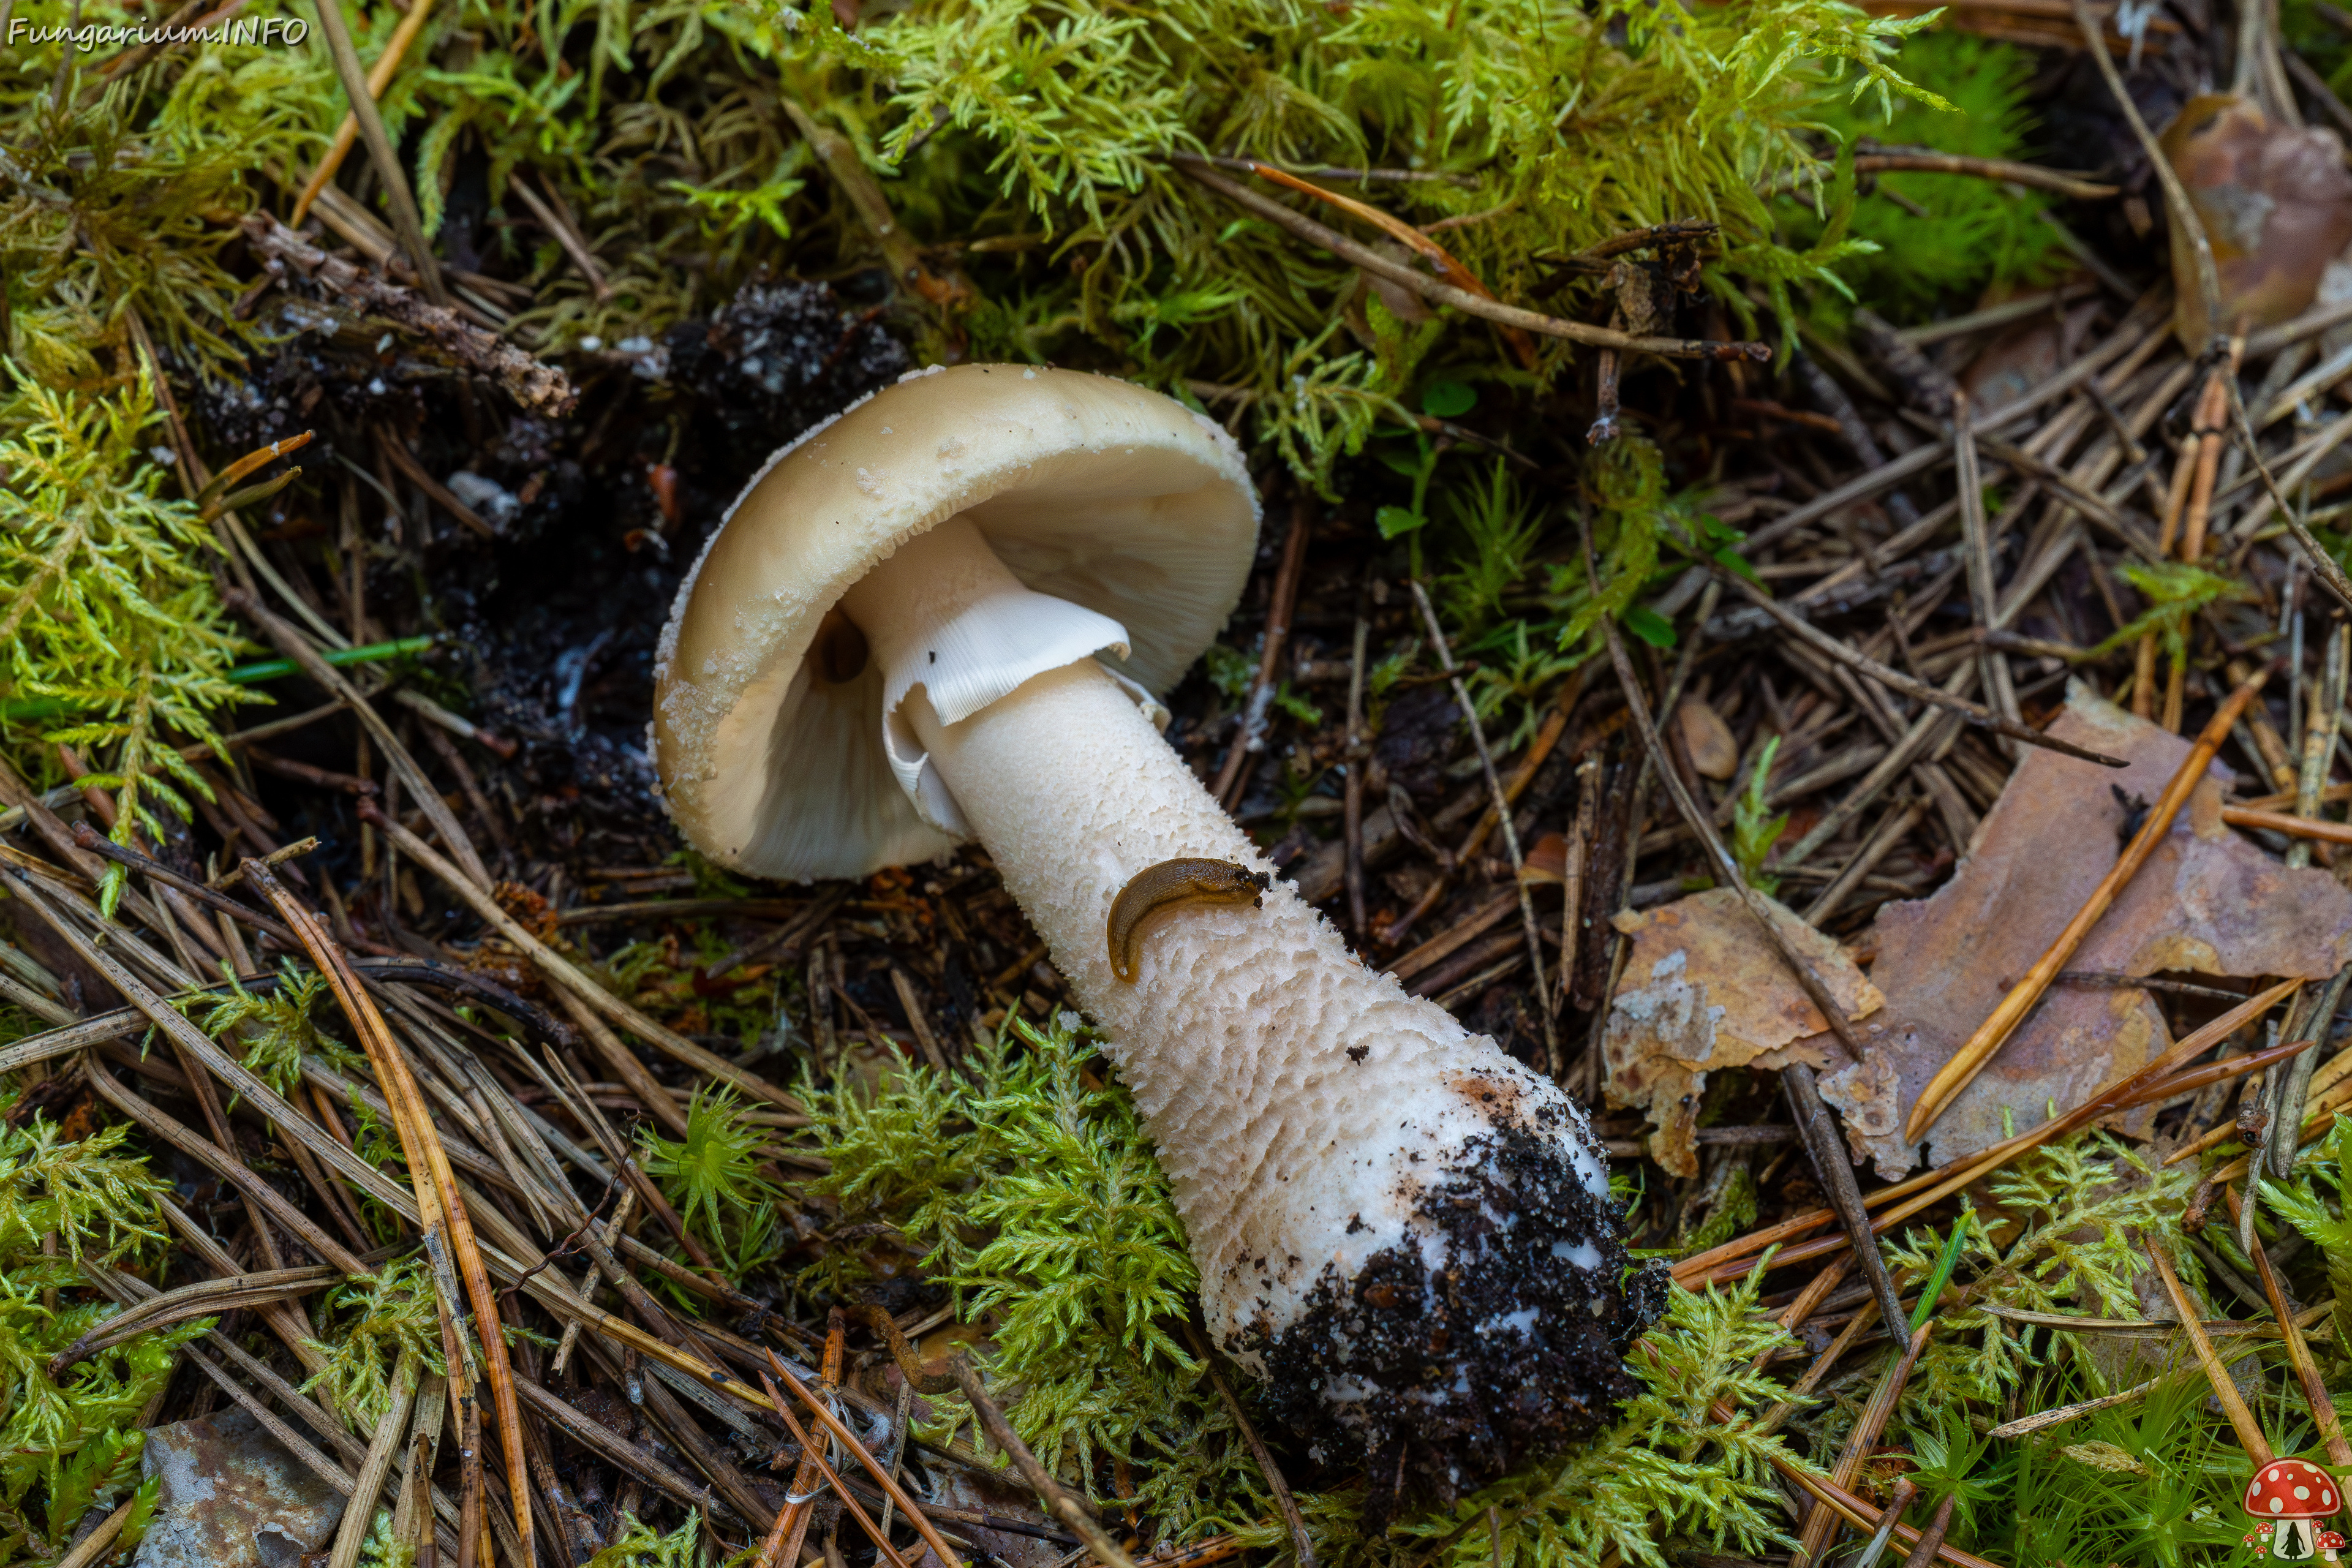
[1935, 237]
[712, 1176]
[1668, 1467]
[64, 1447]
[1030, 1186]
[106, 601]
[635, 1545]
[382, 1549]
[2175, 592]
[277, 1026]
[367, 1322]
[1754, 828]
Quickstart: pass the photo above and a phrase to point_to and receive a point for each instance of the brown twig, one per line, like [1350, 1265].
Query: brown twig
[2009, 171]
[1302, 1545]
[203, 1299]
[1501, 808]
[810, 1454]
[780, 944]
[379, 77]
[1933, 1187]
[880, 1472]
[1822, 1140]
[396, 453]
[1976, 713]
[1058, 1500]
[613, 1448]
[1822, 1521]
[2298, 1351]
[536, 385]
[2315, 555]
[1435, 256]
[256, 1191]
[1932, 1538]
[561, 971]
[1898, 1498]
[98, 843]
[1357, 754]
[389, 170]
[1440, 293]
[2192, 1324]
[566, 235]
[1984, 598]
[1249, 732]
[439, 1202]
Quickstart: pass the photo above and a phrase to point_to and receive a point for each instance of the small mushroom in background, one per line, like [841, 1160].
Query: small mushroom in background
[940, 617]
[2276, 204]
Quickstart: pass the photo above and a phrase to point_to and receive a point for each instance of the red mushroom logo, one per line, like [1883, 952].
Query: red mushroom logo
[2291, 1496]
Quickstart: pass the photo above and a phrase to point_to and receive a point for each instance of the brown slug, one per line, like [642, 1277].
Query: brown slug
[1167, 885]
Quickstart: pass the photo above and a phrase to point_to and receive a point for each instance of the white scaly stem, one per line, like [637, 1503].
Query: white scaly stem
[1301, 1102]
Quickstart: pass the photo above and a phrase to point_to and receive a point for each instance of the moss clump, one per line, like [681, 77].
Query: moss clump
[1032, 1189]
[1933, 236]
[117, 642]
[1029, 1186]
[65, 1446]
[368, 1323]
[712, 1176]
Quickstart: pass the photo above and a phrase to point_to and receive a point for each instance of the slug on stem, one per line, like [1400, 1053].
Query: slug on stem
[1167, 885]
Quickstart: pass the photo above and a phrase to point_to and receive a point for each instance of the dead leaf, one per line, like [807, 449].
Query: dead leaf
[1546, 862]
[2207, 900]
[1708, 740]
[1704, 991]
[2276, 204]
[2021, 357]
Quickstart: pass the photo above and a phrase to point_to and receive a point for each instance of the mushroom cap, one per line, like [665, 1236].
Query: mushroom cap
[1104, 494]
[2292, 1489]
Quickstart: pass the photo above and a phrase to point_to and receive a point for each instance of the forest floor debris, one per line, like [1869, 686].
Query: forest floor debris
[1930, 392]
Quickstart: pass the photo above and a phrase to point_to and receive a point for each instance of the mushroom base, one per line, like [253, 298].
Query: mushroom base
[1447, 1378]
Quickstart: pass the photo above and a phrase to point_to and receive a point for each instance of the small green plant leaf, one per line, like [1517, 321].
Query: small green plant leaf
[1395, 522]
[1754, 830]
[1230, 670]
[1447, 399]
[1730, 560]
[1650, 627]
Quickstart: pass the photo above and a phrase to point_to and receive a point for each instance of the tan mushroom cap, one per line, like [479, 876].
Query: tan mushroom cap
[1107, 495]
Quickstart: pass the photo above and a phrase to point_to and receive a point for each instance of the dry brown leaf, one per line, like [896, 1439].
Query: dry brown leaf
[2022, 356]
[1708, 740]
[2207, 900]
[1704, 991]
[2276, 204]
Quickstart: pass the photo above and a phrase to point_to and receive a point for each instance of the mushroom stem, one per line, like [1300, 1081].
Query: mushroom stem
[1395, 1222]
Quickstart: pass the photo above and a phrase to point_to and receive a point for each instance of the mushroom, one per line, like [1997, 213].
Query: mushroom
[940, 617]
[2294, 1493]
